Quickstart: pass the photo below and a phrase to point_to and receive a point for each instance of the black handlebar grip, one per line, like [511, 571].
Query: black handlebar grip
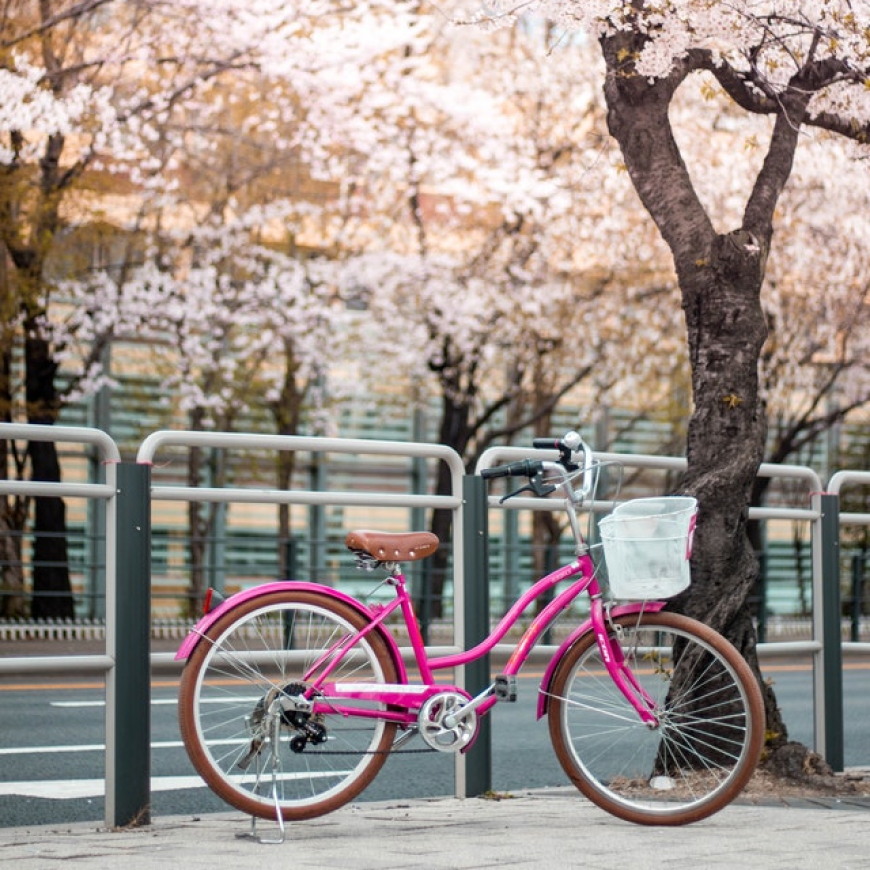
[495, 471]
[523, 468]
[547, 444]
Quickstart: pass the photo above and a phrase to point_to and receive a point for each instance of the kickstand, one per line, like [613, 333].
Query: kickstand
[279, 817]
[265, 841]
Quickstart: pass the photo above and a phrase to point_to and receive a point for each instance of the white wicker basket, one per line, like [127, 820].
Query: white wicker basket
[647, 546]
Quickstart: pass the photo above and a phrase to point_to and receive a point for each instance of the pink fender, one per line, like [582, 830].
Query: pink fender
[190, 643]
[619, 610]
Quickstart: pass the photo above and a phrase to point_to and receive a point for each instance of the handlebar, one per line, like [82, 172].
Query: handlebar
[571, 443]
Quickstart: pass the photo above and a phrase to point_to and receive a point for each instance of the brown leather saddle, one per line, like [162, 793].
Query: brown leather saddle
[393, 546]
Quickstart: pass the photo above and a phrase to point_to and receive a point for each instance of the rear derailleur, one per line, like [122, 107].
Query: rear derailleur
[283, 708]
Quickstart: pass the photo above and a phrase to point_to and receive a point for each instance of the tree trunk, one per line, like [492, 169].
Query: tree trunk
[13, 520]
[13, 604]
[198, 534]
[455, 431]
[287, 412]
[720, 278]
[13, 511]
[547, 526]
[52, 592]
[725, 446]
[286, 463]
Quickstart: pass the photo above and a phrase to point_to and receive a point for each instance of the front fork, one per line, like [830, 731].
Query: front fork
[614, 660]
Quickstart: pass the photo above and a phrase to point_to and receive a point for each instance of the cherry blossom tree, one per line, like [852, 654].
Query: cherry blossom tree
[813, 365]
[803, 67]
[461, 181]
[112, 114]
[95, 93]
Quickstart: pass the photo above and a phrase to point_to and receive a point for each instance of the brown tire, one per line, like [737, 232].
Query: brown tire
[711, 721]
[250, 752]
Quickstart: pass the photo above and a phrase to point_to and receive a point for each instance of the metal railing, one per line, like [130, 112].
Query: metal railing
[346, 446]
[120, 663]
[129, 493]
[838, 482]
[824, 645]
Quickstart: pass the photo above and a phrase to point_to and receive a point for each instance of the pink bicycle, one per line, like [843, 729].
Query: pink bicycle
[294, 694]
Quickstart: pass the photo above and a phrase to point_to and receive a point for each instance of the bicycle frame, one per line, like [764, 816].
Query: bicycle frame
[413, 696]
[407, 698]
[401, 702]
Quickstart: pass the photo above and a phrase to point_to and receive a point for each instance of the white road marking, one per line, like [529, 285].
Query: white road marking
[155, 702]
[66, 789]
[77, 747]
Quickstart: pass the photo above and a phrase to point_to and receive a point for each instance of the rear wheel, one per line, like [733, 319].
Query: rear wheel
[710, 712]
[253, 746]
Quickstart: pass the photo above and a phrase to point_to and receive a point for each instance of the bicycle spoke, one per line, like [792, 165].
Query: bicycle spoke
[257, 747]
[710, 722]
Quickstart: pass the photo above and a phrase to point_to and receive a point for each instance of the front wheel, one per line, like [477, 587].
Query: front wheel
[240, 727]
[709, 709]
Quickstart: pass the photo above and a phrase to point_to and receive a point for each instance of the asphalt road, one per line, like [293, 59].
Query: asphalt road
[52, 759]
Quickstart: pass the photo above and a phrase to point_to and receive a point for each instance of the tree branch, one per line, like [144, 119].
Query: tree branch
[744, 90]
[79, 10]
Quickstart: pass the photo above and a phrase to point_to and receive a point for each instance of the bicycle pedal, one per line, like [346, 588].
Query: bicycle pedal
[506, 687]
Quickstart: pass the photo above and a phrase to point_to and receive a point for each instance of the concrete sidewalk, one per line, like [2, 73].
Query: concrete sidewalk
[555, 828]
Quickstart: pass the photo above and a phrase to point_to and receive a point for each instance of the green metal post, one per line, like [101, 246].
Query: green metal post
[478, 776]
[832, 656]
[128, 728]
[857, 597]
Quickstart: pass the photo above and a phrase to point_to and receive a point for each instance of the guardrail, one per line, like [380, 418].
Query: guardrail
[128, 493]
[347, 446]
[836, 485]
[824, 645]
[127, 717]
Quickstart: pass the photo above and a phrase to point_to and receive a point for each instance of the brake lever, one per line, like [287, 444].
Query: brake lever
[535, 485]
